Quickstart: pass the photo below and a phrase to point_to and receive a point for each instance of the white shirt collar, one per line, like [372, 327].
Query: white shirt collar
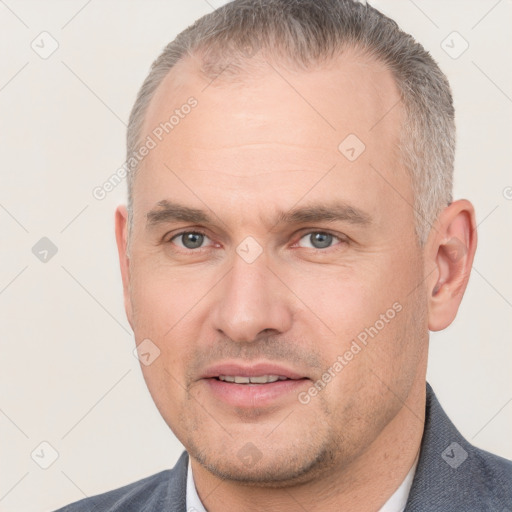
[398, 500]
[193, 502]
[396, 503]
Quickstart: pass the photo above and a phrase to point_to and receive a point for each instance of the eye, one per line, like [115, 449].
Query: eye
[189, 239]
[319, 240]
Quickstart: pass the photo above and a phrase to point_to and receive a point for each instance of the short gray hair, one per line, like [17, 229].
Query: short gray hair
[305, 33]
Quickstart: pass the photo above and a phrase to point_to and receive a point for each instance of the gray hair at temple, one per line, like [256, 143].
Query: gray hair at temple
[305, 33]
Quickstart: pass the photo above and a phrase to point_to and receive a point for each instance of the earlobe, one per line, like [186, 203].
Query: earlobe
[452, 249]
[121, 228]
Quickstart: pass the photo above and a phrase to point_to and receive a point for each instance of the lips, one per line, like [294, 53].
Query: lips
[253, 386]
[255, 370]
[260, 379]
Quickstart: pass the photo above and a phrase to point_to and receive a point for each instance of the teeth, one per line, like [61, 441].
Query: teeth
[264, 379]
[261, 379]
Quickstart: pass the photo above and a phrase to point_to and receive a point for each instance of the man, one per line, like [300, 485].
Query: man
[289, 241]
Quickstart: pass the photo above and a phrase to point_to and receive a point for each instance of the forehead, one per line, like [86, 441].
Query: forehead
[272, 128]
[351, 93]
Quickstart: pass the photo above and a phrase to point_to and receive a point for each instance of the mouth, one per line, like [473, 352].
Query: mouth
[257, 379]
[253, 386]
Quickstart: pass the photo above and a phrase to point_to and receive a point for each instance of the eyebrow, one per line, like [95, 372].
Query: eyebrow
[330, 212]
[168, 211]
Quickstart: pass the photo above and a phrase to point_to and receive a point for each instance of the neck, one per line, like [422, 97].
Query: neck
[364, 485]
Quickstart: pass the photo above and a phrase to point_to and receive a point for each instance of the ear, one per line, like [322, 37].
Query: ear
[450, 251]
[121, 226]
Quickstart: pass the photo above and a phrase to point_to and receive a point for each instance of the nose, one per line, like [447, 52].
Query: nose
[251, 302]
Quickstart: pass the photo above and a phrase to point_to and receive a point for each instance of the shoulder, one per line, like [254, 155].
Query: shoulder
[491, 475]
[452, 474]
[163, 491]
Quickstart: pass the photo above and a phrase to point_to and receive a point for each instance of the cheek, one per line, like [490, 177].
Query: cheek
[369, 302]
[344, 300]
[163, 298]
[165, 311]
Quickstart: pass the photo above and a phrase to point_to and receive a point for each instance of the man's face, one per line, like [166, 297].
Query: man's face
[261, 293]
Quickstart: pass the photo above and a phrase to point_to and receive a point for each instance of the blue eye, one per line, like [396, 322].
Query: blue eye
[190, 239]
[319, 239]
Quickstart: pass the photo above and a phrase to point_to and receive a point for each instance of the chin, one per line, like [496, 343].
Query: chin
[269, 467]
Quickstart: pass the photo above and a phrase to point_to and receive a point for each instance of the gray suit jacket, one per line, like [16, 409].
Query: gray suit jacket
[452, 475]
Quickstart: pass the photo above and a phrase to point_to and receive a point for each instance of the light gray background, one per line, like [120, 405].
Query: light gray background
[68, 374]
